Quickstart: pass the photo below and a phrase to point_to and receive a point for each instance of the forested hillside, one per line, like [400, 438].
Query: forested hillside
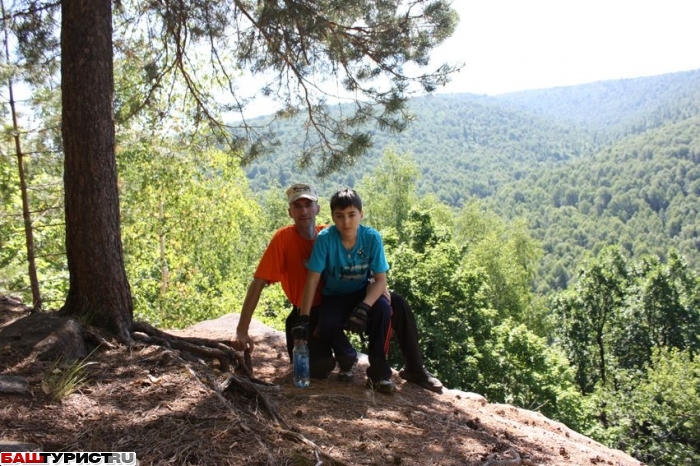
[641, 192]
[464, 145]
[591, 165]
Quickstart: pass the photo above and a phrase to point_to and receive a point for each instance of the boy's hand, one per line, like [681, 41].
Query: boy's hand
[300, 331]
[357, 322]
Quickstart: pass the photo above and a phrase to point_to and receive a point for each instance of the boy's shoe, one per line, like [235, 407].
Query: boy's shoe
[423, 378]
[346, 376]
[383, 386]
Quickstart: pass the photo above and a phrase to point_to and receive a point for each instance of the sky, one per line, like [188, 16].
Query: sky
[513, 45]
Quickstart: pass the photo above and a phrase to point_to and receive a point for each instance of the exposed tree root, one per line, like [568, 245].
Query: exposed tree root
[218, 350]
[236, 385]
[93, 337]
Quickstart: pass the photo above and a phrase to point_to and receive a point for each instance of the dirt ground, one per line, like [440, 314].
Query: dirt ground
[173, 411]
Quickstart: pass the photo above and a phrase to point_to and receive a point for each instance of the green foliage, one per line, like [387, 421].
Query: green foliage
[389, 192]
[617, 313]
[665, 309]
[619, 106]
[519, 368]
[631, 332]
[637, 193]
[27, 66]
[508, 255]
[465, 340]
[654, 414]
[43, 171]
[661, 311]
[448, 298]
[273, 307]
[191, 233]
[11, 243]
[274, 208]
[588, 315]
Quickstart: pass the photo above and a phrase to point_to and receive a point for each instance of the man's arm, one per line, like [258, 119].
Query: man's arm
[307, 300]
[243, 340]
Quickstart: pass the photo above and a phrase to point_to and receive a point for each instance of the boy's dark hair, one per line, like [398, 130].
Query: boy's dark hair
[344, 198]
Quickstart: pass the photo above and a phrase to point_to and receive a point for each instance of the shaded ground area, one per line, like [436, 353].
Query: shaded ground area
[173, 411]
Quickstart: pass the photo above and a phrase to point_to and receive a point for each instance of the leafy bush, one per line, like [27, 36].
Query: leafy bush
[519, 368]
[653, 415]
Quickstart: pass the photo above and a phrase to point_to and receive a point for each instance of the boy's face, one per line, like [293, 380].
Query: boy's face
[347, 220]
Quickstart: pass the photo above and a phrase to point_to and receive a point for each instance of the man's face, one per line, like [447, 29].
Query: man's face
[303, 211]
[347, 220]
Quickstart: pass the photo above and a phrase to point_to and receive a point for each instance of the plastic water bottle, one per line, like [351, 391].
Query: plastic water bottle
[301, 364]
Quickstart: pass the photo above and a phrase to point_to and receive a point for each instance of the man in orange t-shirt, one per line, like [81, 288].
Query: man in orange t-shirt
[284, 261]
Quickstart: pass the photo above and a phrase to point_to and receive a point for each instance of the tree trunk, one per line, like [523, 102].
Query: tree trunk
[99, 291]
[26, 215]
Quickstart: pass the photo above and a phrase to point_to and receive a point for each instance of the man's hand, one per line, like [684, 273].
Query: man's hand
[357, 322]
[243, 342]
[300, 331]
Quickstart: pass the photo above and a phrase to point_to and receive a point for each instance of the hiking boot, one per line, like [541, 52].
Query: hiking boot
[422, 378]
[383, 386]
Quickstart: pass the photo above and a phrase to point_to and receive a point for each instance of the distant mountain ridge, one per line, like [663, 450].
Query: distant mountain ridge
[610, 105]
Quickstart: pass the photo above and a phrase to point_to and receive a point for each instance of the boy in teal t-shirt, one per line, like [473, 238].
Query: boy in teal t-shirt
[346, 255]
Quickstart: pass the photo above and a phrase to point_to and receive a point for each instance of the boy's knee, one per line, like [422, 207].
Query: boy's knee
[382, 306]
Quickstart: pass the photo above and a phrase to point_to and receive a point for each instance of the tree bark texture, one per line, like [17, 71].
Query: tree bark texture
[98, 290]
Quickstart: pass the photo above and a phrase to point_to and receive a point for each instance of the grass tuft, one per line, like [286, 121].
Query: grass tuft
[64, 378]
